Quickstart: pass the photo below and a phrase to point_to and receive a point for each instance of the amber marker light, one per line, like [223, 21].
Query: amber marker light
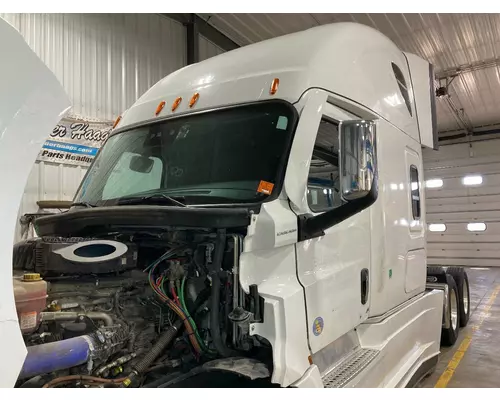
[193, 100]
[176, 103]
[117, 121]
[160, 107]
[274, 86]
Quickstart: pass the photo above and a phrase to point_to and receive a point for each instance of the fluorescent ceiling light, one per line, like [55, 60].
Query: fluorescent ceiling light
[434, 183]
[472, 180]
[437, 227]
[476, 227]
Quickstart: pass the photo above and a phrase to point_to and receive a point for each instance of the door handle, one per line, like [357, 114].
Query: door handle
[364, 285]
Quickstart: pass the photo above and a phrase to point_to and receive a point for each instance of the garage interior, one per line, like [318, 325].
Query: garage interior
[106, 62]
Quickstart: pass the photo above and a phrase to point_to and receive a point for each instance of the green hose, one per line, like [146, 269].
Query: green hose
[183, 303]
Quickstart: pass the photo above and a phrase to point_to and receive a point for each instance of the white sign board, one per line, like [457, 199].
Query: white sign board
[75, 143]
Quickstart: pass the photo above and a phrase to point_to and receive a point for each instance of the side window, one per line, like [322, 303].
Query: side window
[415, 192]
[132, 174]
[403, 87]
[323, 186]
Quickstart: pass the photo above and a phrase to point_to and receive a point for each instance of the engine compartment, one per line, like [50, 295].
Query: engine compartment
[139, 310]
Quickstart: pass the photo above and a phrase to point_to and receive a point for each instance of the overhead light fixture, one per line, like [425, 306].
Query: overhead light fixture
[434, 183]
[437, 227]
[472, 180]
[476, 227]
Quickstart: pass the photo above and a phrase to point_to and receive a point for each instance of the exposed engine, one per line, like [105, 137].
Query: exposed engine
[135, 311]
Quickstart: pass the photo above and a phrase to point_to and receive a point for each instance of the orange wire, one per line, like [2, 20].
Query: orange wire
[174, 295]
[179, 312]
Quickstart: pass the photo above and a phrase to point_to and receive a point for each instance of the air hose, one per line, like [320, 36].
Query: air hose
[214, 269]
[145, 362]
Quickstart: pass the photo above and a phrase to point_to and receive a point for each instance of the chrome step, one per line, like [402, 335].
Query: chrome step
[349, 368]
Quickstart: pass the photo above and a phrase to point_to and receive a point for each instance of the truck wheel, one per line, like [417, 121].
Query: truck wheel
[462, 282]
[449, 335]
[435, 271]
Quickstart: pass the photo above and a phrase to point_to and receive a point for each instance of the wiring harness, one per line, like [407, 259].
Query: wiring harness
[174, 297]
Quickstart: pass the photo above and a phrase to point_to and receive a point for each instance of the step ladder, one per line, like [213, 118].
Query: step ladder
[349, 368]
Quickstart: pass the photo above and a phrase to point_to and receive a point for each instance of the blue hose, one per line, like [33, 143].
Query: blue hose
[49, 357]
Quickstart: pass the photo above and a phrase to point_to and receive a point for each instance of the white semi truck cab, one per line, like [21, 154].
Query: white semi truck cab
[255, 219]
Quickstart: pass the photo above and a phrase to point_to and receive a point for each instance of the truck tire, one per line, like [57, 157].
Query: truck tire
[436, 274]
[449, 335]
[462, 282]
[435, 270]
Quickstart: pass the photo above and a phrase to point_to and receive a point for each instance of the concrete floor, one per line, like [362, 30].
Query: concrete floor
[478, 347]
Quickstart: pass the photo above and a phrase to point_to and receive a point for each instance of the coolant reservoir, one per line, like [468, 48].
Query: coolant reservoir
[30, 293]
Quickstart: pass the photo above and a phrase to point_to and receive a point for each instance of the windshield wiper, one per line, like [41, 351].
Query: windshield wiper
[153, 197]
[84, 204]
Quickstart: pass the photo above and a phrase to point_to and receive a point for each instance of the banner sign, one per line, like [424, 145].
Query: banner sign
[75, 143]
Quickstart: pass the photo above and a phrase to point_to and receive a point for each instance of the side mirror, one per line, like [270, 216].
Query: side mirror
[141, 164]
[358, 185]
[357, 158]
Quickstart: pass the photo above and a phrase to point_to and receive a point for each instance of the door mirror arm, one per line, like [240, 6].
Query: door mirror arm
[311, 226]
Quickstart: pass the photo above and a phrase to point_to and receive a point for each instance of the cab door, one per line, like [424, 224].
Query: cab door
[334, 269]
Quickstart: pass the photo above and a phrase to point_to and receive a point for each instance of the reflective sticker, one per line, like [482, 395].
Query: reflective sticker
[282, 123]
[265, 187]
[318, 326]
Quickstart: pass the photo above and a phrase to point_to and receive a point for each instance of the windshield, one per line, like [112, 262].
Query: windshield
[235, 155]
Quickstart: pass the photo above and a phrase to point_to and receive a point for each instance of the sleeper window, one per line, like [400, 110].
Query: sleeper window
[415, 192]
[403, 87]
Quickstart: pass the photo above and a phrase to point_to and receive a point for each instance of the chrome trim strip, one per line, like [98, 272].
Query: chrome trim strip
[380, 318]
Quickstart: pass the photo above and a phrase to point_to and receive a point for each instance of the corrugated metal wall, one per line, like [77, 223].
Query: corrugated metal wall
[455, 204]
[208, 49]
[105, 62]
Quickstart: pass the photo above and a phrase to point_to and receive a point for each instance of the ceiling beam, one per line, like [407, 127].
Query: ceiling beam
[206, 30]
[192, 42]
[464, 68]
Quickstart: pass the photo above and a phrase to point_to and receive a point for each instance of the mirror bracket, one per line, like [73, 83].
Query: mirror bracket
[305, 230]
[313, 226]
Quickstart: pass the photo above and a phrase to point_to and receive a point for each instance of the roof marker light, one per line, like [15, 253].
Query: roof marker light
[193, 100]
[176, 103]
[274, 86]
[160, 107]
[117, 121]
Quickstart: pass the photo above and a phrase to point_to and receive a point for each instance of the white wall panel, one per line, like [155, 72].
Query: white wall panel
[207, 49]
[455, 204]
[104, 61]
